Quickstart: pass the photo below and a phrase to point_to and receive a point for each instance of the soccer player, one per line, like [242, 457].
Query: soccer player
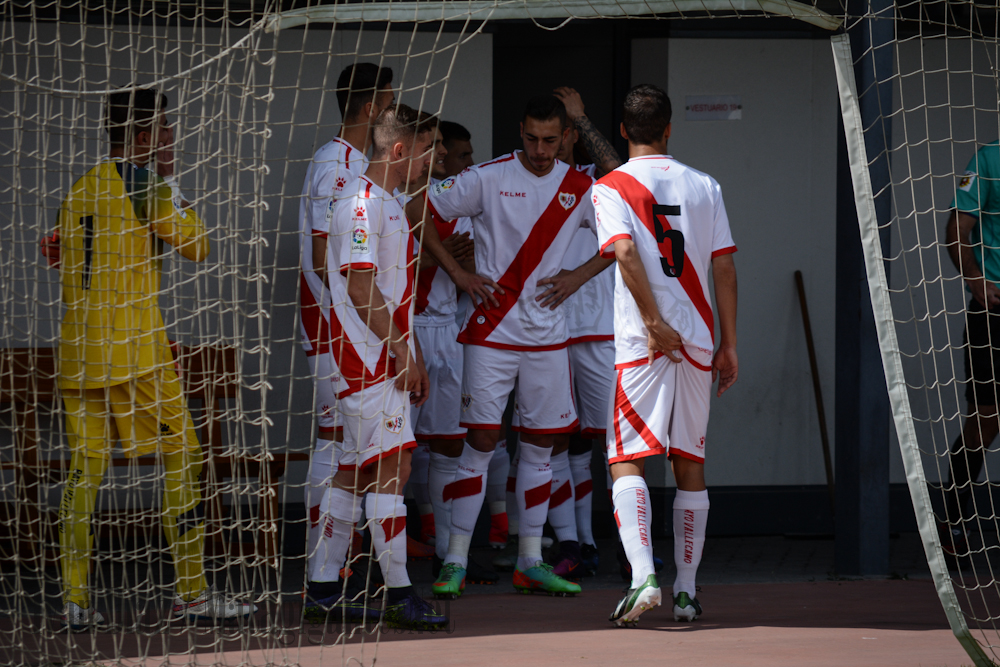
[116, 369]
[972, 234]
[378, 362]
[525, 209]
[437, 422]
[666, 226]
[363, 90]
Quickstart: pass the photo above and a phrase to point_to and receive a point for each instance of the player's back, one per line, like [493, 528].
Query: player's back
[112, 329]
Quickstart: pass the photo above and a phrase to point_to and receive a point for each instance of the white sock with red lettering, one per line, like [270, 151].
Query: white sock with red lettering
[534, 482]
[690, 519]
[339, 510]
[418, 478]
[441, 473]
[466, 494]
[388, 530]
[583, 486]
[632, 514]
[322, 468]
[496, 484]
[562, 514]
[512, 512]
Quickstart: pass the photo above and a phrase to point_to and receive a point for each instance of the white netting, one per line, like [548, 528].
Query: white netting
[251, 93]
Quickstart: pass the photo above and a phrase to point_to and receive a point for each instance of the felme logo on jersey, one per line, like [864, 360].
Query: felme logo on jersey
[567, 200]
[359, 241]
[395, 424]
[443, 186]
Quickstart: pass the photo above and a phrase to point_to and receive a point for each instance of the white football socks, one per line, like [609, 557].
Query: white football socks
[440, 473]
[466, 494]
[512, 512]
[322, 468]
[562, 514]
[388, 531]
[340, 510]
[418, 478]
[690, 519]
[632, 513]
[583, 486]
[496, 484]
[534, 482]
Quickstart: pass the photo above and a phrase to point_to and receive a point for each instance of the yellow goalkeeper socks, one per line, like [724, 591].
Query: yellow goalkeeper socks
[75, 536]
[184, 521]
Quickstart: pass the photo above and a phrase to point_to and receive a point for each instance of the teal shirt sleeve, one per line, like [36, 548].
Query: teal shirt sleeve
[972, 193]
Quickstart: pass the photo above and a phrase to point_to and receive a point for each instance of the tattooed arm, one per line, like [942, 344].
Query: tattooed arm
[600, 149]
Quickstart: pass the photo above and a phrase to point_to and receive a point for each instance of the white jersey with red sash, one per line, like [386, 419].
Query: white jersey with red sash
[524, 225]
[369, 232]
[436, 294]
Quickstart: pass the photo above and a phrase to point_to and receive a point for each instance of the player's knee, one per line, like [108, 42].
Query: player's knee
[482, 440]
[689, 475]
[449, 448]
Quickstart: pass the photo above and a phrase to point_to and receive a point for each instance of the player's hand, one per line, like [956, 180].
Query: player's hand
[419, 396]
[661, 337]
[985, 292]
[725, 368]
[458, 246]
[561, 287]
[51, 249]
[406, 367]
[165, 155]
[571, 100]
[479, 288]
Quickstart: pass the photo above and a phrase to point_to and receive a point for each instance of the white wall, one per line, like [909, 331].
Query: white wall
[249, 123]
[777, 169]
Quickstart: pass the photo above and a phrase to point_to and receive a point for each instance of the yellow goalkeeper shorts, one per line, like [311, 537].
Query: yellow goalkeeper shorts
[148, 414]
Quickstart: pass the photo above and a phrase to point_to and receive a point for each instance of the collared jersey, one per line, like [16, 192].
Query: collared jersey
[590, 313]
[112, 225]
[675, 216]
[369, 232]
[335, 165]
[523, 226]
[978, 194]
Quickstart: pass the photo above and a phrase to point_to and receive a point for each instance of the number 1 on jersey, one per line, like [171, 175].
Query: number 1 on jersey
[673, 265]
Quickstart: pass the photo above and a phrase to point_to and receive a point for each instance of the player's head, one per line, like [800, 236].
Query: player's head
[544, 128]
[363, 91]
[438, 165]
[458, 143]
[646, 117]
[402, 137]
[136, 122]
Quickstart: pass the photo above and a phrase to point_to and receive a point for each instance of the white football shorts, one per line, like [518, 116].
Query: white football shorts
[439, 417]
[657, 408]
[376, 424]
[593, 365]
[545, 403]
[325, 380]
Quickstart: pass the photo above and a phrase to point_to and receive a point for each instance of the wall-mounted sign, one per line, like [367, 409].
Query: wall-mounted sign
[713, 107]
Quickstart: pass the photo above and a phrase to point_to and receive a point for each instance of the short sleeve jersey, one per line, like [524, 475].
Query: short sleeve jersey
[436, 294]
[978, 194]
[523, 225]
[676, 218]
[369, 232]
[334, 165]
[110, 229]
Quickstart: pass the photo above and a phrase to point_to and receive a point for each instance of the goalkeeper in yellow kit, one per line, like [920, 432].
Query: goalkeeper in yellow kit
[116, 369]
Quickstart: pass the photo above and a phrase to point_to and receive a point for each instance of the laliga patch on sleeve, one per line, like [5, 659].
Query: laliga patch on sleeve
[359, 240]
[329, 210]
[965, 183]
[442, 187]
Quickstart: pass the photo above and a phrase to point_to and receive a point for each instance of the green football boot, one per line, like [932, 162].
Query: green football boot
[450, 583]
[636, 601]
[686, 608]
[541, 579]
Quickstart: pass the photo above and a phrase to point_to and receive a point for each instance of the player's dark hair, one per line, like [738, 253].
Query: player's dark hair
[546, 107]
[357, 86]
[453, 132]
[399, 123]
[131, 111]
[647, 114]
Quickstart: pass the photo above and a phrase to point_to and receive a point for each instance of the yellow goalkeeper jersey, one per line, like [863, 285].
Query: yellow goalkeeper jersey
[112, 227]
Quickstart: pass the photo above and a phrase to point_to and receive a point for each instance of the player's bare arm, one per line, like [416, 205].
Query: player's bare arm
[565, 283]
[420, 397]
[662, 337]
[598, 147]
[478, 287]
[458, 246]
[725, 366]
[957, 234]
[372, 310]
[319, 256]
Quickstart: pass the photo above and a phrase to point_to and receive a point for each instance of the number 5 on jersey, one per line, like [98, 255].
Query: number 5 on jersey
[672, 259]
